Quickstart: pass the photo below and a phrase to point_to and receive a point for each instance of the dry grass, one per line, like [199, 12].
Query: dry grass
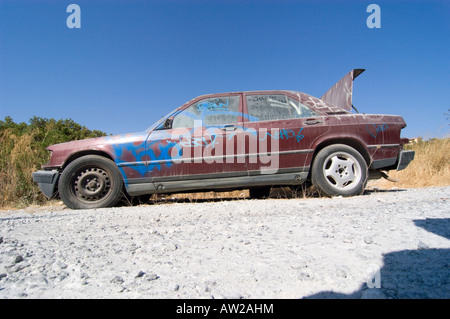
[16, 184]
[430, 167]
[201, 196]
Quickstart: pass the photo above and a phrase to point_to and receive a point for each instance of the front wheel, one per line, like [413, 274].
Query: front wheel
[90, 181]
[339, 170]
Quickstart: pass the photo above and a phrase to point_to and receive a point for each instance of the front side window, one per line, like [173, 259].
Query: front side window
[270, 107]
[212, 112]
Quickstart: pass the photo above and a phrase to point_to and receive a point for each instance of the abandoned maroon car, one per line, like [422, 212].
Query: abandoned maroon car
[236, 140]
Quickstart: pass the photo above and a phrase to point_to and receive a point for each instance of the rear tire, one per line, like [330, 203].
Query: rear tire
[339, 170]
[90, 181]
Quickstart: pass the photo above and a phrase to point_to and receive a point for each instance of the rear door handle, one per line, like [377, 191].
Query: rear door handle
[312, 121]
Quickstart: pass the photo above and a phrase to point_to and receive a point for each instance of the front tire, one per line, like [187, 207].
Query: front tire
[90, 181]
[339, 170]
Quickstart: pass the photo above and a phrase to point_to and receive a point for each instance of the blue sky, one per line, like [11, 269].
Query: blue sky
[132, 62]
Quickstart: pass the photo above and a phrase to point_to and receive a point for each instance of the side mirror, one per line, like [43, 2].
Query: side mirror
[168, 123]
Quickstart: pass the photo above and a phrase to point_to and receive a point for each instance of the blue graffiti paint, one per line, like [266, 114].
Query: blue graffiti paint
[138, 156]
[211, 106]
[374, 129]
[190, 141]
[284, 134]
[165, 153]
[128, 151]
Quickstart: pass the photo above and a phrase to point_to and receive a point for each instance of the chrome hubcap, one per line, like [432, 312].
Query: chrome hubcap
[342, 171]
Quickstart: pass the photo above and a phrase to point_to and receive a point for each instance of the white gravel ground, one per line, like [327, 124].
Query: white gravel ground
[389, 244]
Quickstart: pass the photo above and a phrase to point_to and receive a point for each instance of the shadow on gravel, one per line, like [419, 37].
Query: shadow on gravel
[438, 226]
[409, 274]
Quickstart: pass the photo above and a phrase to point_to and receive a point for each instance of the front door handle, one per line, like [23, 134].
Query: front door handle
[229, 128]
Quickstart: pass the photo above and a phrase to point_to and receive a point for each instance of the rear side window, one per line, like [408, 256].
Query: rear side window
[212, 112]
[270, 107]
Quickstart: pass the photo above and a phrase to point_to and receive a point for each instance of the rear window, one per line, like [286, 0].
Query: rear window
[270, 107]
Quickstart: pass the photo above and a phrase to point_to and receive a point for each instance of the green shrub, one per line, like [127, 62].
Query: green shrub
[23, 151]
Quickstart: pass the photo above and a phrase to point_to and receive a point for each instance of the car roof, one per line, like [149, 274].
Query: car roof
[250, 92]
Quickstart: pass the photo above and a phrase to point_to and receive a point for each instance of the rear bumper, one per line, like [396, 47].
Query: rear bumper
[46, 181]
[404, 159]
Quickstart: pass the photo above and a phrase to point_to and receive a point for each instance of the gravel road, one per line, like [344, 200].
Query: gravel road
[385, 244]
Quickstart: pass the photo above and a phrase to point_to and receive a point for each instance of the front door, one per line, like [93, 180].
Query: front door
[201, 144]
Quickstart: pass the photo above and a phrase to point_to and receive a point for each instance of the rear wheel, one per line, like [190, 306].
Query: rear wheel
[90, 181]
[339, 170]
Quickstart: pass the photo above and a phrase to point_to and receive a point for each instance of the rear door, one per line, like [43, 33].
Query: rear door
[282, 130]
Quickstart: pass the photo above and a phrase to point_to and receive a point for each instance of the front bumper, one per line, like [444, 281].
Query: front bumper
[404, 159]
[47, 181]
